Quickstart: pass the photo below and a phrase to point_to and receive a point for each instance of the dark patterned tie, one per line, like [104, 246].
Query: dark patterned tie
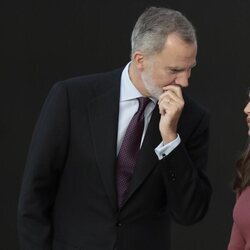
[130, 147]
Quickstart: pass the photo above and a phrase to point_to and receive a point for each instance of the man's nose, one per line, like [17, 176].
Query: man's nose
[182, 79]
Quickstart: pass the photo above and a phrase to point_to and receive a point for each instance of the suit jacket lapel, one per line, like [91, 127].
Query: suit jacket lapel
[103, 114]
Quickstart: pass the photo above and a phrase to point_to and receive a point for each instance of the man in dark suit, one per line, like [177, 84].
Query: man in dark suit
[101, 175]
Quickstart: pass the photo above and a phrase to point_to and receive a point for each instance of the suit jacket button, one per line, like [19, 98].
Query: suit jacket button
[118, 224]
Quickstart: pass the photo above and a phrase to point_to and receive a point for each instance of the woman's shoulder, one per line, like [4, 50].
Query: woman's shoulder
[245, 191]
[244, 196]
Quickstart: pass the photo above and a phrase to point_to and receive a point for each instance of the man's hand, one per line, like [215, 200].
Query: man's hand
[170, 104]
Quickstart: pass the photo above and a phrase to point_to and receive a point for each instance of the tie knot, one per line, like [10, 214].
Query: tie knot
[143, 102]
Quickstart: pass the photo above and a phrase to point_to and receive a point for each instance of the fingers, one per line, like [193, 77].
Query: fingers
[171, 104]
[175, 89]
[167, 103]
[169, 96]
[162, 109]
[172, 93]
[171, 100]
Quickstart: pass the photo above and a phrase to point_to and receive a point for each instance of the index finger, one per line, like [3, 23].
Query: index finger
[175, 88]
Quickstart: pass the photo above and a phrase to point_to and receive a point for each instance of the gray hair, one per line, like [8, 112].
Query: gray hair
[153, 27]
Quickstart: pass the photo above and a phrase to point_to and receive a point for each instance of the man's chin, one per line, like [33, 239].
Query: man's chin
[153, 91]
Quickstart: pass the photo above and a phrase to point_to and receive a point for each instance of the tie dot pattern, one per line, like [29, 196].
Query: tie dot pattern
[128, 153]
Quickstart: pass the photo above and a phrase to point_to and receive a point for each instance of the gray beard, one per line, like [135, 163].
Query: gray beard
[153, 90]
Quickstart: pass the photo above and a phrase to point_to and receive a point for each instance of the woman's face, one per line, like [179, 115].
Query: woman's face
[247, 112]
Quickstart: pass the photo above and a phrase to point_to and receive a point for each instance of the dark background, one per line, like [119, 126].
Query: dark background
[42, 42]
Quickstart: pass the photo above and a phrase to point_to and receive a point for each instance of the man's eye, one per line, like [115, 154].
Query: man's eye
[174, 71]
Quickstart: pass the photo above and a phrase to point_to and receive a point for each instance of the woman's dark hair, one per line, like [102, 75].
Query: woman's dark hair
[242, 178]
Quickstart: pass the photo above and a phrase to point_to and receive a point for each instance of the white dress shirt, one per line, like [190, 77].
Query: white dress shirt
[128, 107]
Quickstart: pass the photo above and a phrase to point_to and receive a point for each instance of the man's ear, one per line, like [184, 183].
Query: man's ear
[139, 60]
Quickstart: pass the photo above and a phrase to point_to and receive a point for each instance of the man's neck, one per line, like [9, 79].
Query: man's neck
[135, 78]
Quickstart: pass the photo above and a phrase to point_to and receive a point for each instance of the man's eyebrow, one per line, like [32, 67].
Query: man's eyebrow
[179, 68]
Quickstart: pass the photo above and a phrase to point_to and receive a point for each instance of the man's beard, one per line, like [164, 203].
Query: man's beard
[150, 85]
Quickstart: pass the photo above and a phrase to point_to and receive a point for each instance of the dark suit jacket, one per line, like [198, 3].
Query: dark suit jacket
[68, 196]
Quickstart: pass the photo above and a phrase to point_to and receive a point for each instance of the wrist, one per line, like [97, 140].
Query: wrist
[169, 137]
